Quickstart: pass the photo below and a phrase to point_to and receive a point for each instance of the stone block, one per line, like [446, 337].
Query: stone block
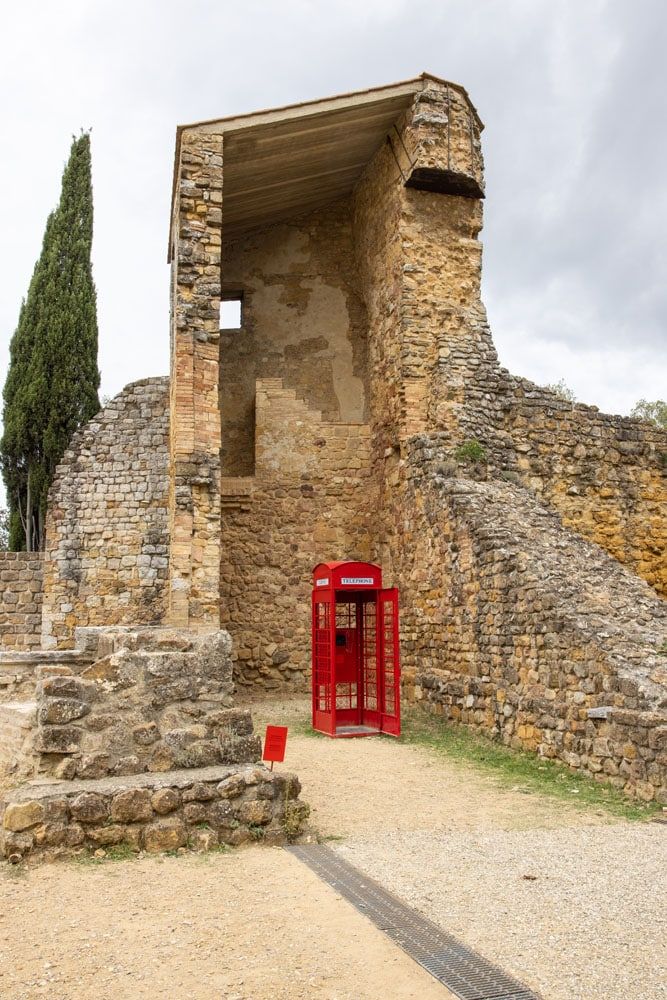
[165, 835]
[59, 711]
[128, 765]
[88, 807]
[254, 813]
[94, 765]
[203, 839]
[240, 749]
[200, 792]
[58, 739]
[195, 812]
[17, 842]
[132, 806]
[146, 733]
[232, 722]
[67, 687]
[165, 800]
[231, 787]
[22, 815]
[107, 836]
[221, 815]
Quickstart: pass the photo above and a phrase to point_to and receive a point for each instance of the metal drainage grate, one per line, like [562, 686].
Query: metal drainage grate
[460, 969]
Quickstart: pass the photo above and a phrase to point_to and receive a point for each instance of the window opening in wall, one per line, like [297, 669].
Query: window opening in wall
[231, 311]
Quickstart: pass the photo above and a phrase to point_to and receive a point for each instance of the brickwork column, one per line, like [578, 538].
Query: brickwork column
[194, 573]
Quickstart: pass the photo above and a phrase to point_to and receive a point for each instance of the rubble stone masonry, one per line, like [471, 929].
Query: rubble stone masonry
[312, 493]
[107, 547]
[517, 627]
[194, 499]
[20, 600]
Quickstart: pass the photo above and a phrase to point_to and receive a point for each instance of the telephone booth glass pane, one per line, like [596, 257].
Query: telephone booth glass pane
[347, 656]
[322, 657]
[389, 658]
[370, 672]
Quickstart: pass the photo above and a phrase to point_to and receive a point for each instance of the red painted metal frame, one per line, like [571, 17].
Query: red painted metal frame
[355, 684]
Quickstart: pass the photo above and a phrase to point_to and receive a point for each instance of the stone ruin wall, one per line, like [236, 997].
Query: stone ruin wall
[107, 545]
[492, 635]
[148, 700]
[295, 450]
[312, 494]
[519, 628]
[21, 575]
[303, 321]
[195, 441]
[606, 475]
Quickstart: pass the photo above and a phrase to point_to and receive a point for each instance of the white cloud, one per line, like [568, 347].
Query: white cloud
[572, 94]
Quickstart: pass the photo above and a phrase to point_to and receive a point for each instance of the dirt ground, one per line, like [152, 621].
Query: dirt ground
[255, 924]
[364, 787]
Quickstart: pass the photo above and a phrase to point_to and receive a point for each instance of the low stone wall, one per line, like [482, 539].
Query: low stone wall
[152, 700]
[21, 575]
[19, 672]
[107, 544]
[17, 722]
[517, 627]
[197, 809]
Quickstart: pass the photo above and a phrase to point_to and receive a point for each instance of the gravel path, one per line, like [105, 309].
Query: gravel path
[448, 840]
[362, 787]
[590, 922]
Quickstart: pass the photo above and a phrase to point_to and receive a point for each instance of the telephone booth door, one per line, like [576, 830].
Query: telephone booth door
[356, 670]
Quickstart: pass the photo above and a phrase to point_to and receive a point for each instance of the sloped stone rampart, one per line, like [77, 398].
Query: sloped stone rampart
[21, 575]
[520, 628]
[107, 544]
[199, 809]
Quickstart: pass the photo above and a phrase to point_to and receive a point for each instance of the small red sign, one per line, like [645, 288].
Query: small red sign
[275, 742]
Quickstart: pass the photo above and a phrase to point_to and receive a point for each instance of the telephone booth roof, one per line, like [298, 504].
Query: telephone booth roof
[347, 573]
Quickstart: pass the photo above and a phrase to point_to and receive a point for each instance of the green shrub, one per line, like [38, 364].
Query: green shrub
[470, 452]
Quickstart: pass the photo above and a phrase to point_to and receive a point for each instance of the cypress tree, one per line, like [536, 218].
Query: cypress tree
[52, 382]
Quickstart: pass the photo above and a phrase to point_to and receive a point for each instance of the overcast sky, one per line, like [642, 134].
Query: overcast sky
[572, 93]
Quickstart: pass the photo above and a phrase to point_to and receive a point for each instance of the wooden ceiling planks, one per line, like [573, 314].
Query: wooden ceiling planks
[292, 165]
[283, 162]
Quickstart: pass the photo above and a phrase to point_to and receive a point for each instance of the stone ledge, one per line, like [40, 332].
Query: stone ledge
[42, 788]
[199, 808]
[45, 658]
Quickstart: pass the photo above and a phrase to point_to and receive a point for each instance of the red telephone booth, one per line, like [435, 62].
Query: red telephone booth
[356, 670]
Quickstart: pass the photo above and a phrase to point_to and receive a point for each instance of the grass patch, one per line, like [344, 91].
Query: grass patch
[15, 872]
[118, 852]
[327, 838]
[304, 727]
[517, 768]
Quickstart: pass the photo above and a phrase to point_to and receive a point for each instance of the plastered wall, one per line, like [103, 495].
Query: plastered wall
[303, 321]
